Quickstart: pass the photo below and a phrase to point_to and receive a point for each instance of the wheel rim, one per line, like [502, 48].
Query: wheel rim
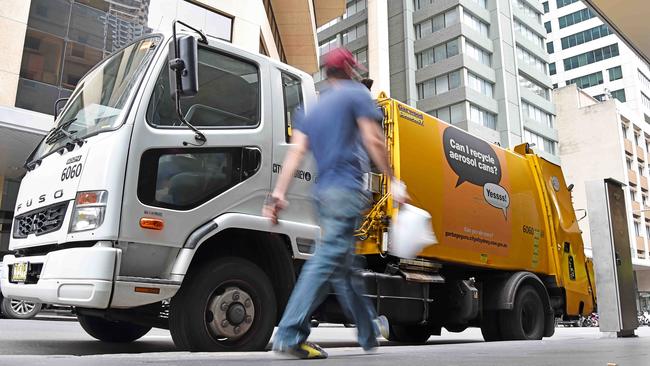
[230, 313]
[529, 317]
[22, 307]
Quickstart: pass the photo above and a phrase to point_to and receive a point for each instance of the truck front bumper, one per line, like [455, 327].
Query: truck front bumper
[78, 277]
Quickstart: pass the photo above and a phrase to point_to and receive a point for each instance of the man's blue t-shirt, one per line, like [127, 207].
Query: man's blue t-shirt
[334, 136]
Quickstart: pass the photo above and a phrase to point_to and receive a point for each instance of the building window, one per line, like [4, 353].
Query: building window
[451, 114]
[292, 90]
[591, 57]
[419, 4]
[624, 128]
[619, 94]
[482, 117]
[587, 81]
[437, 53]
[545, 5]
[353, 7]
[354, 33]
[585, 36]
[477, 53]
[547, 25]
[475, 23]
[532, 60]
[534, 87]
[551, 69]
[362, 57]
[328, 45]
[481, 3]
[480, 85]
[549, 48]
[436, 23]
[563, 3]
[439, 85]
[574, 18]
[529, 11]
[637, 226]
[636, 138]
[641, 169]
[629, 163]
[541, 143]
[615, 73]
[537, 114]
[529, 34]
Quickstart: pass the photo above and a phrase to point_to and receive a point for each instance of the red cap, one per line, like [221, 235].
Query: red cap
[341, 58]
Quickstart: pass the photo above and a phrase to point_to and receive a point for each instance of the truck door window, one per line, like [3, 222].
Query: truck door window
[182, 179]
[229, 95]
[292, 90]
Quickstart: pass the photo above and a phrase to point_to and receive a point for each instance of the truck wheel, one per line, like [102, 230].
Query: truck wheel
[110, 331]
[413, 334]
[226, 305]
[526, 319]
[19, 309]
[490, 326]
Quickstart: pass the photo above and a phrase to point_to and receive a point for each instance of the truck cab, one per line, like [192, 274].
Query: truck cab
[122, 203]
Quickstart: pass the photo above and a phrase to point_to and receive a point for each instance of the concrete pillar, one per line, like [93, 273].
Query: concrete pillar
[13, 25]
[378, 60]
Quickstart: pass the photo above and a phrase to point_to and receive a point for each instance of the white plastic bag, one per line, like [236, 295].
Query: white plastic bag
[410, 232]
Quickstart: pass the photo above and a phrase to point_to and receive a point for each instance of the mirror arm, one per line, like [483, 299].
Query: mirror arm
[198, 135]
[203, 38]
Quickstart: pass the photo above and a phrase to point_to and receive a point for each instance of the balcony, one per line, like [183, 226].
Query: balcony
[628, 147]
[636, 208]
[640, 154]
[631, 175]
[644, 183]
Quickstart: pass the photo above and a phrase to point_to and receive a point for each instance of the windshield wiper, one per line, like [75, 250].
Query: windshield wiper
[55, 134]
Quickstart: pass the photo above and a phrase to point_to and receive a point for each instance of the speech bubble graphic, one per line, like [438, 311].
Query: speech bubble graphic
[472, 159]
[497, 197]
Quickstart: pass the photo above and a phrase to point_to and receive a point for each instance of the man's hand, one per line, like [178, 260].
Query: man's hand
[273, 204]
[398, 191]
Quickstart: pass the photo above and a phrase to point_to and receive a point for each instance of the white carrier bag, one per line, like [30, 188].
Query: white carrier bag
[410, 232]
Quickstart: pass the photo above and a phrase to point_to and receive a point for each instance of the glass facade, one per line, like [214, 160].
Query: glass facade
[66, 38]
[591, 57]
[585, 36]
[587, 81]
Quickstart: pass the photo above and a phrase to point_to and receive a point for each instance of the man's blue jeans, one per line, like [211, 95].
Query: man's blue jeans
[332, 266]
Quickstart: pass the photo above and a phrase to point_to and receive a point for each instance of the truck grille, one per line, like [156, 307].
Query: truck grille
[41, 221]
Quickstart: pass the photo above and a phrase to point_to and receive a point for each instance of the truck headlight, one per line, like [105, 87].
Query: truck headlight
[89, 209]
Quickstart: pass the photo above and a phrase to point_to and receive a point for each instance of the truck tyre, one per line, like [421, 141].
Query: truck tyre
[526, 319]
[19, 309]
[111, 331]
[490, 326]
[412, 334]
[227, 304]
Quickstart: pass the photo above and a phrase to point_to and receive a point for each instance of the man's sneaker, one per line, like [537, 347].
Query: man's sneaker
[305, 351]
[382, 324]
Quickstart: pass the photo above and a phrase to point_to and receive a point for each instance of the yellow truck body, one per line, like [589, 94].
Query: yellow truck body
[492, 208]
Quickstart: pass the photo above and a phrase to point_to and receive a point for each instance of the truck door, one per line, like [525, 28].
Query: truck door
[292, 94]
[185, 183]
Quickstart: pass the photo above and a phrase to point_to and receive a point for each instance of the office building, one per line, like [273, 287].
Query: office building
[600, 140]
[478, 64]
[586, 52]
[48, 46]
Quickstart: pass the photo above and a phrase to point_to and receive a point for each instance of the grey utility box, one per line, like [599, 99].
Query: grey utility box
[610, 241]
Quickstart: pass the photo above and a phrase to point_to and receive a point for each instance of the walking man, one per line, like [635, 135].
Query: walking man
[341, 131]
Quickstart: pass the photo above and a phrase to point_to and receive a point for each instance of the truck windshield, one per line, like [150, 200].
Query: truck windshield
[98, 101]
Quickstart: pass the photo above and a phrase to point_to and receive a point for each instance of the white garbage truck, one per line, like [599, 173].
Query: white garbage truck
[142, 208]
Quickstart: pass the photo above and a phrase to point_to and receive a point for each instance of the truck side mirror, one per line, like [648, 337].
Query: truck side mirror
[58, 106]
[184, 67]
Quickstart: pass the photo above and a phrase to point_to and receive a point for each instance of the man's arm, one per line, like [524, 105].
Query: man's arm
[277, 201]
[373, 140]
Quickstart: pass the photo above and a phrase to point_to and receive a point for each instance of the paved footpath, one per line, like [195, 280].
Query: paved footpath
[49, 341]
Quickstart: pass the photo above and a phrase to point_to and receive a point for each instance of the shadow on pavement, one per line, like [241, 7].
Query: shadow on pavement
[85, 348]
